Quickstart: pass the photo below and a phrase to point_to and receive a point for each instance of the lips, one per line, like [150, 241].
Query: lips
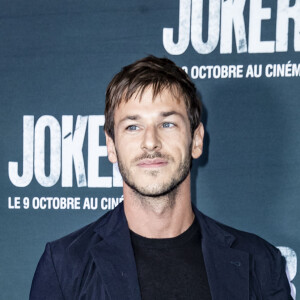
[152, 163]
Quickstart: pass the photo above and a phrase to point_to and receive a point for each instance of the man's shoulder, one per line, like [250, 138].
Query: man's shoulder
[71, 257]
[82, 240]
[248, 241]
[242, 240]
[263, 260]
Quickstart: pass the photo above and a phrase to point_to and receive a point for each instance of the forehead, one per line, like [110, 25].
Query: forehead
[147, 103]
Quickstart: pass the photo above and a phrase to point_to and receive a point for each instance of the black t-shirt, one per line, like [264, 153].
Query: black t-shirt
[171, 268]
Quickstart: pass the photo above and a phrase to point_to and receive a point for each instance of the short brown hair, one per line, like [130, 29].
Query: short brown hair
[158, 73]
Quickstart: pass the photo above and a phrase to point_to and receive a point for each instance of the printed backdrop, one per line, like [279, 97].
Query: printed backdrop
[56, 59]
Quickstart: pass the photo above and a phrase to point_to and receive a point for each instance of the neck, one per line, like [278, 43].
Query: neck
[159, 217]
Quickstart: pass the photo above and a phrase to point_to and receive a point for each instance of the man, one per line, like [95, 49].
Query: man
[156, 245]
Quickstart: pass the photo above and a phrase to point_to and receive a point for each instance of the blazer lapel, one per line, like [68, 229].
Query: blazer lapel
[114, 258]
[227, 268]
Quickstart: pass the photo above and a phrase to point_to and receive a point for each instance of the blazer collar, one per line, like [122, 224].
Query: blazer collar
[211, 230]
[227, 268]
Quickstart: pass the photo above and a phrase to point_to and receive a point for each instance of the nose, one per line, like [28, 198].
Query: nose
[151, 140]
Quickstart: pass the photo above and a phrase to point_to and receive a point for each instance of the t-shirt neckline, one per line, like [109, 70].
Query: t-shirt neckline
[183, 238]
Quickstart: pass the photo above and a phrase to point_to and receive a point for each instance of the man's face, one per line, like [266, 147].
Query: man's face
[153, 144]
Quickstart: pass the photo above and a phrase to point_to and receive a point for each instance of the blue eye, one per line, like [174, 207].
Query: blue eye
[132, 128]
[168, 125]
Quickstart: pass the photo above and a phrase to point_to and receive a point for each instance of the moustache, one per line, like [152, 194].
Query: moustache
[152, 156]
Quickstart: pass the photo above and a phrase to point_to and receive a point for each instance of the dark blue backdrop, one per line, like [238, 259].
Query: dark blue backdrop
[56, 59]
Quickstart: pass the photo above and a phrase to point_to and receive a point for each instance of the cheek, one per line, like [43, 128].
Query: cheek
[179, 142]
[130, 142]
[126, 150]
[178, 151]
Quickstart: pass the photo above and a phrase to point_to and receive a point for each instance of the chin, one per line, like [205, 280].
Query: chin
[153, 190]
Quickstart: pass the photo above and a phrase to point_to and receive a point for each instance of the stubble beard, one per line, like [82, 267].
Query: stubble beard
[167, 190]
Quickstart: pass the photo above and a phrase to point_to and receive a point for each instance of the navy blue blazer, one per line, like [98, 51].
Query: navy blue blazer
[97, 262]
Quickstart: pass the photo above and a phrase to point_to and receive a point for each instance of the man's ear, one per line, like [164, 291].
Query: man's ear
[197, 146]
[111, 150]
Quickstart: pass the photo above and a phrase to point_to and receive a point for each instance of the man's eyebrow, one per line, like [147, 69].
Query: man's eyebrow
[170, 113]
[130, 117]
[163, 114]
